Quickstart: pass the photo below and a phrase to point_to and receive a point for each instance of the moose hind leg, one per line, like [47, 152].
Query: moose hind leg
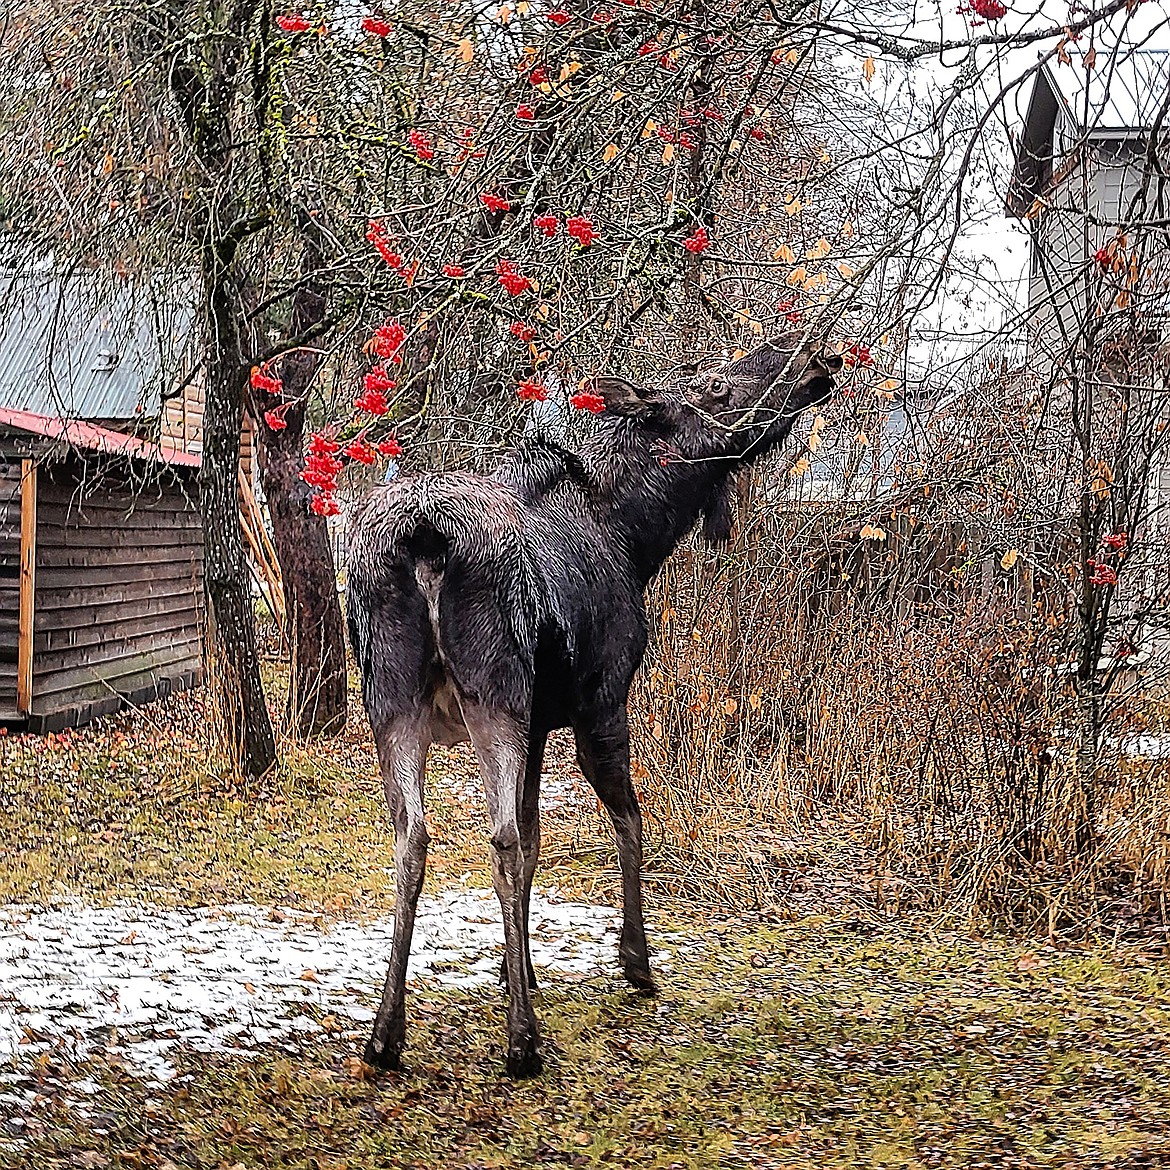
[529, 842]
[603, 751]
[402, 753]
[501, 746]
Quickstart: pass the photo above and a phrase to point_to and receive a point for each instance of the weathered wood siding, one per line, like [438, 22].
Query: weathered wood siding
[119, 594]
[9, 583]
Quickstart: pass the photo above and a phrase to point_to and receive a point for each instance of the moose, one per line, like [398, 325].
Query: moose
[497, 608]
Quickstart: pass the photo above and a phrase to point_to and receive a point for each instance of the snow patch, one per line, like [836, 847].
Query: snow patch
[137, 980]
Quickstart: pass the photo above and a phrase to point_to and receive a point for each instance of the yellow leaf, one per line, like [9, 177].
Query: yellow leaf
[797, 275]
[844, 269]
[1009, 558]
[754, 700]
[730, 707]
[668, 152]
[618, 94]
[610, 152]
[862, 439]
[466, 50]
[847, 230]
[573, 66]
[872, 532]
[649, 128]
[785, 253]
[522, 8]
[819, 250]
[817, 280]
[792, 56]
[739, 353]
[800, 467]
[867, 69]
[792, 206]
[504, 13]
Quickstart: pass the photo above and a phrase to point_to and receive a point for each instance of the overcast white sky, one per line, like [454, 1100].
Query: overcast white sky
[986, 286]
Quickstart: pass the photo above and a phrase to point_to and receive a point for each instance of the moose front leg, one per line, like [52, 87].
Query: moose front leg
[603, 751]
[402, 753]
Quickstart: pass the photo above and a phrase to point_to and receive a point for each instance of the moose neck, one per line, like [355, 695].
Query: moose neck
[656, 481]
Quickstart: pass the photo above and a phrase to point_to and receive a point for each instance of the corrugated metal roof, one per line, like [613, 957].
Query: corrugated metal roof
[1123, 92]
[92, 349]
[78, 433]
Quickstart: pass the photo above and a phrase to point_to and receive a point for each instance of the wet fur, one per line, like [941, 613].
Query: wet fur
[499, 607]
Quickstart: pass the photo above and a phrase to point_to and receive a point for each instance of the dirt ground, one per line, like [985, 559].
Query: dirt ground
[188, 967]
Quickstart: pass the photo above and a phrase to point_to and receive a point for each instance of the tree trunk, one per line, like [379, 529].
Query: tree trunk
[317, 685]
[246, 723]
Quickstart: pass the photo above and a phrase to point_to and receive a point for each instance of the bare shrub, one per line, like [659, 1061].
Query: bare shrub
[864, 715]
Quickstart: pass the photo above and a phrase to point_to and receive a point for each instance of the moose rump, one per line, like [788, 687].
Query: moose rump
[443, 605]
[444, 617]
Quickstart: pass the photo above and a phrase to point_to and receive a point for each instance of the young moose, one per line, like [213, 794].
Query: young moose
[497, 608]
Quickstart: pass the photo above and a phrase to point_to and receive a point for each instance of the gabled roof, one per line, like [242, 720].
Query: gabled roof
[1123, 94]
[1119, 98]
[89, 437]
[89, 348]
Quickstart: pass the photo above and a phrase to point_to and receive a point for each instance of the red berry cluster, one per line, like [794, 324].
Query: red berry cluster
[1103, 572]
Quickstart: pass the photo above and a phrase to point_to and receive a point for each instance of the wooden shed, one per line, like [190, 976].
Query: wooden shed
[101, 559]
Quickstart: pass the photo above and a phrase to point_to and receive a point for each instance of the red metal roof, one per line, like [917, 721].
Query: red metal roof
[86, 435]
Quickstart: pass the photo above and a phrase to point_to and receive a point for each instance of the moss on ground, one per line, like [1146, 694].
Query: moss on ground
[785, 1046]
[773, 1044]
[132, 806]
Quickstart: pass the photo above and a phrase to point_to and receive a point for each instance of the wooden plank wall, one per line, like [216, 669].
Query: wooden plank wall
[119, 594]
[9, 583]
[181, 425]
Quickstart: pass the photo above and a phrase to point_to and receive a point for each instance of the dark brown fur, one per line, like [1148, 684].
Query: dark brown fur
[497, 608]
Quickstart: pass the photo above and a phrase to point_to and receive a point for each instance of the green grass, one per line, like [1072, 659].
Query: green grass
[773, 1044]
[800, 1046]
[133, 806]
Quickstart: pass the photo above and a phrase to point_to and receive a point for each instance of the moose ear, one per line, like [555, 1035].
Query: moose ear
[831, 363]
[622, 397]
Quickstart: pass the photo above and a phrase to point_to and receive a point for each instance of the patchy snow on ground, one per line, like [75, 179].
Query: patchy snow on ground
[136, 980]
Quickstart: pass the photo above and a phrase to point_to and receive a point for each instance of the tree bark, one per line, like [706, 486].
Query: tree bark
[317, 685]
[236, 665]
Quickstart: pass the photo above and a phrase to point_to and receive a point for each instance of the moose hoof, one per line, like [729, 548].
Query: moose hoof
[386, 1057]
[640, 979]
[522, 1064]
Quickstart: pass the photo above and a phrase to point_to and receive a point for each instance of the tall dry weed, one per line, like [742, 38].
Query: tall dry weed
[923, 740]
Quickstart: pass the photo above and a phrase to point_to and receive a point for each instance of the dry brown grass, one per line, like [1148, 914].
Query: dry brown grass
[923, 757]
